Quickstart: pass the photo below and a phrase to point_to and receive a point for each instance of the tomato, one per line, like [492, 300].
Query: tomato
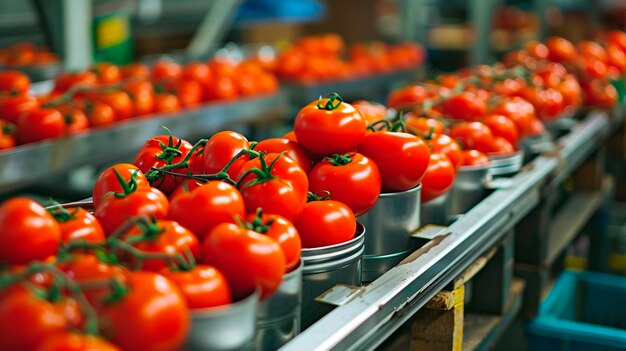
[75, 120]
[407, 97]
[537, 127]
[203, 286]
[72, 341]
[40, 124]
[7, 135]
[422, 126]
[329, 126]
[141, 93]
[616, 57]
[120, 102]
[108, 182]
[292, 149]
[537, 50]
[501, 126]
[135, 70]
[371, 111]
[13, 106]
[352, 179]
[560, 49]
[26, 320]
[66, 80]
[162, 237]
[501, 146]
[547, 102]
[86, 268]
[325, 223]
[189, 92]
[160, 151]
[291, 136]
[107, 73]
[438, 178]
[519, 110]
[153, 315]
[592, 49]
[247, 85]
[113, 211]
[220, 149]
[281, 230]
[77, 224]
[283, 168]
[166, 102]
[474, 135]
[14, 81]
[597, 93]
[474, 158]
[247, 258]
[466, 105]
[165, 69]
[401, 158]
[571, 91]
[443, 144]
[197, 71]
[200, 207]
[99, 114]
[28, 232]
[221, 88]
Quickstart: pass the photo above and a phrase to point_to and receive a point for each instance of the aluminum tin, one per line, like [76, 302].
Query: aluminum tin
[389, 226]
[435, 211]
[222, 328]
[278, 318]
[468, 189]
[506, 165]
[324, 267]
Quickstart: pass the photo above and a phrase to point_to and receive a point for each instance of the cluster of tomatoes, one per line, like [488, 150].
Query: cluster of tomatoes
[107, 94]
[26, 54]
[314, 59]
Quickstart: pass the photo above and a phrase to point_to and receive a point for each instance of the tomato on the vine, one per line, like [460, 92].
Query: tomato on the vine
[325, 223]
[108, 181]
[116, 208]
[283, 168]
[40, 124]
[77, 224]
[281, 230]
[407, 97]
[13, 106]
[220, 149]
[291, 148]
[202, 286]
[87, 267]
[423, 126]
[466, 106]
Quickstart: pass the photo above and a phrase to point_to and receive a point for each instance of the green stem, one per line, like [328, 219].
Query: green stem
[153, 176]
[319, 196]
[385, 122]
[127, 187]
[334, 101]
[340, 160]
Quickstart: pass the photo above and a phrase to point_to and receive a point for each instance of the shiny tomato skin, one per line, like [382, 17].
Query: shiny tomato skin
[284, 168]
[120, 102]
[14, 81]
[474, 135]
[113, 211]
[203, 286]
[165, 69]
[327, 132]
[474, 158]
[278, 196]
[401, 158]
[87, 267]
[466, 106]
[99, 114]
[163, 150]
[200, 207]
[135, 70]
[107, 73]
[438, 178]
[7, 135]
[519, 110]
[443, 144]
[291, 148]
[248, 259]
[501, 146]
[501, 126]
[220, 149]
[107, 181]
[560, 49]
[81, 226]
[285, 233]
[28, 232]
[325, 223]
[12, 107]
[152, 316]
[422, 126]
[72, 341]
[40, 124]
[66, 80]
[357, 184]
[407, 97]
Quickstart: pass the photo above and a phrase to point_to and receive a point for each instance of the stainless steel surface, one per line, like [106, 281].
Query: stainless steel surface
[389, 226]
[326, 266]
[506, 165]
[435, 211]
[278, 318]
[468, 189]
[385, 304]
[28, 163]
[222, 328]
[217, 20]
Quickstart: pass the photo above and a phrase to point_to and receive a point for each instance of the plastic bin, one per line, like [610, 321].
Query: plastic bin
[583, 312]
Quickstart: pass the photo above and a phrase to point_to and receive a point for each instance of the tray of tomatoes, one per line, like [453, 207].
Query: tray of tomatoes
[36, 61]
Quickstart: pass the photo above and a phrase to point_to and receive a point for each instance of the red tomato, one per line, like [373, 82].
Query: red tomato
[197, 71]
[592, 49]
[501, 126]
[281, 230]
[407, 97]
[66, 80]
[422, 126]
[443, 144]
[560, 49]
[203, 286]
[87, 267]
[221, 88]
[200, 207]
[113, 211]
[40, 124]
[162, 237]
[75, 120]
[12, 107]
[537, 127]
[107, 73]
[248, 259]
[329, 126]
[401, 158]
[371, 111]
[466, 105]
[164, 102]
[547, 102]
[120, 102]
[99, 114]
[283, 168]
[438, 178]
[474, 135]
[537, 50]
[7, 135]
[141, 93]
[108, 181]
[165, 69]
[135, 70]
[77, 224]
[160, 151]
[474, 158]
[291, 148]
[72, 341]
[352, 179]
[189, 92]
[519, 110]
[153, 315]
[14, 81]
[220, 149]
[28, 232]
[325, 223]
[501, 146]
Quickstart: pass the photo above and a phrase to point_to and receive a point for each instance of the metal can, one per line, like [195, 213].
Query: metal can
[468, 188]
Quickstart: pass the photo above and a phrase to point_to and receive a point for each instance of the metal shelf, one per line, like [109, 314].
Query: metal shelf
[384, 305]
[26, 164]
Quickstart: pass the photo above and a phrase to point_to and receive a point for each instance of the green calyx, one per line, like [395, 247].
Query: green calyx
[62, 215]
[319, 196]
[257, 223]
[340, 160]
[263, 174]
[334, 101]
[127, 187]
[169, 151]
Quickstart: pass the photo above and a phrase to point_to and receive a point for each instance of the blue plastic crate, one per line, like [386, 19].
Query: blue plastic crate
[583, 312]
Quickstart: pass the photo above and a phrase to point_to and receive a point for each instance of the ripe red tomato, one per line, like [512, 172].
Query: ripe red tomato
[371, 111]
[203, 286]
[200, 207]
[221, 88]
[107, 73]
[66, 80]
[7, 135]
[135, 70]
[141, 93]
[325, 223]
[12, 107]
[120, 102]
[220, 149]
[401, 158]
[113, 211]
[14, 81]
[99, 114]
[40, 124]
[163, 150]
[72, 341]
[108, 181]
[283, 168]
[466, 105]
[248, 259]
[519, 110]
[443, 144]
[197, 71]
[352, 179]
[75, 119]
[329, 126]
[502, 126]
[474, 135]
[599, 94]
[473, 158]
[423, 127]
[153, 315]
[281, 230]
[77, 224]
[162, 237]
[164, 102]
[438, 178]
[28, 232]
[291, 148]
[560, 49]
[406, 98]
[165, 69]
[87, 267]
[189, 92]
